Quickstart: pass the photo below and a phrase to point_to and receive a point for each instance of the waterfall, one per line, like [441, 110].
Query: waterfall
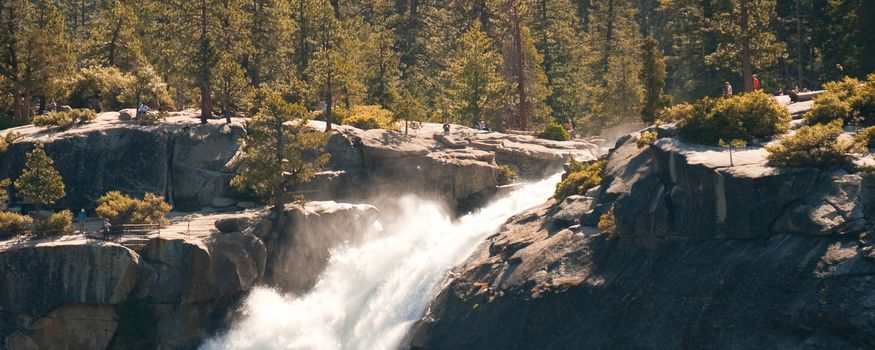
[370, 294]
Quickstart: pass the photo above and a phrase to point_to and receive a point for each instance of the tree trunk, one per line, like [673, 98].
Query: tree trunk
[746, 65]
[520, 72]
[799, 65]
[205, 86]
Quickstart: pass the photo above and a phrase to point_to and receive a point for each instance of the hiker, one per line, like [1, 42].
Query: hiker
[485, 126]
[756, 82]
[569, 127]
[81, 219]
[780, 92]
[728, 90]
[446, 128]
[838, 72]
[142, 110]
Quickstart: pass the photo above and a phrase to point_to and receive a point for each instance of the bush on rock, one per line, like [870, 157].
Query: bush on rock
[506, 174]
[118, 208]
[65, 119]
[56, 224]
[370, 117]
[555, 132]
[744, 117]
[811, 146]
[580, 178]
[14, 223]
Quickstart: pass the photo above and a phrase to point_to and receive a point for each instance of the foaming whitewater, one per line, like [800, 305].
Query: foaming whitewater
[370, 294]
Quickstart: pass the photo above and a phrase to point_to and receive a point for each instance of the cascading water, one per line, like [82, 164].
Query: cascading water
[371, 293]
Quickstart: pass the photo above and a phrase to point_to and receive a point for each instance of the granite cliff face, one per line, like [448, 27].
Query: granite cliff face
[191, 164]
[167, 290]
[705, 255]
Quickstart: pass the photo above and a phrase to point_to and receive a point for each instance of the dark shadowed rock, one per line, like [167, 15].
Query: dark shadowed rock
[705, 255]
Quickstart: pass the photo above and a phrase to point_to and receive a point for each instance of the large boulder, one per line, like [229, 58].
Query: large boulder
[299, 241]
[204, 163]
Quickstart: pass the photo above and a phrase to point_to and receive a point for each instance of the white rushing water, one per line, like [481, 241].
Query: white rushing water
[370, 294]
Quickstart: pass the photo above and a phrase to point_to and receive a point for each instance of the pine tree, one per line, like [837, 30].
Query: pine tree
[522, 64]
[232, 90]
[613, 67]
[690, 77]
[555, 33]
[112, 38]
[279, 152]
[474, 91]
[653, 76]
[746, 41]
[409, 108]
[849, 40]
[201, 31]
[333, 70]
[39, 183]
[269, 28]
[35, 51]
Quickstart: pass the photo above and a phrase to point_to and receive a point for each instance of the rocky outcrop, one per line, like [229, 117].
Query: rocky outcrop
[459, 167]
[299, 243]
[66, 295]
[705, 254]
[191, 164]
[167, 290]
[187, 162]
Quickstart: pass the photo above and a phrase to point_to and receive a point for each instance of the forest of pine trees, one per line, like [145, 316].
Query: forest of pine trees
[517, 64]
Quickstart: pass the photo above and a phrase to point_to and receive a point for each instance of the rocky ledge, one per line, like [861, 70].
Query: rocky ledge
[167, 290]
[191, 164]
[705, 255]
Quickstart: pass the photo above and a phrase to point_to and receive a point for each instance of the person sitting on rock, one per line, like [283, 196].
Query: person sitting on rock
[446, 128]
[142, 110]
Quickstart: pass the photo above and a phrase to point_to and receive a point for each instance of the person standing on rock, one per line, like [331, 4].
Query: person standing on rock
[838, 72]
[142, 110]
[727, 91]
[446, 128]
[81, 219]
[756, 82]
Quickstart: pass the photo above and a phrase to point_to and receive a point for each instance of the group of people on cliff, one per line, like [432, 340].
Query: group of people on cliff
[838, 74]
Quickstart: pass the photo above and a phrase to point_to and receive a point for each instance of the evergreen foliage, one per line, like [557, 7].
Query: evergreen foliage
[743, 117]
[14, 223]
[39, 183]
[579, 178]
[281, 154]
[811, 146]
[117, 208]
[555, 132]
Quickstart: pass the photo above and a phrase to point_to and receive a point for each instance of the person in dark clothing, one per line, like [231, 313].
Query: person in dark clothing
[838, 72]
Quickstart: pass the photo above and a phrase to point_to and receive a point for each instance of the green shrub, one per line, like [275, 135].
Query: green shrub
[743, 117]
[555, 132]
[108, 83]
[56, 224]
[65, 119]
[865, 138]
[608, 222]
[117, 208]
[339, 114]
[14, 223]
[506, 174]
[580, 178]
[827, 108]
[675, 113]
[815, 146]
[152, 117]
[646, 138]
[850, 99]
[862, 103]
[370, 117]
